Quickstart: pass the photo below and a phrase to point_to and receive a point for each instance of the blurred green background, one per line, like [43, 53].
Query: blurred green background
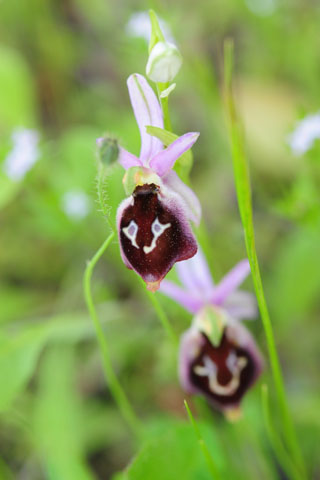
[63, 71]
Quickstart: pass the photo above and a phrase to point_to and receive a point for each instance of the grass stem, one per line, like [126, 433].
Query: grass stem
[243, 188]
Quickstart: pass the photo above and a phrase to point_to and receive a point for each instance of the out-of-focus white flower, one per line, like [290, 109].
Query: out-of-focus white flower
[164, 62]
[24, 154]
[263, 8]
[76, 204]
[139, 26]
[305, 133]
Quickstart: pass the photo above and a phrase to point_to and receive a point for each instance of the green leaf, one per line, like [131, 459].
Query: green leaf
[174, 454]
[19, 353]
[202, 444]
[17, 94]
[295, 281]
[18, 357]
[58, 418]
[8, 189]
[5, 473]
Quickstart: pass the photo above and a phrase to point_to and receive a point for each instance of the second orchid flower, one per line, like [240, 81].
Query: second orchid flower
[218, 356]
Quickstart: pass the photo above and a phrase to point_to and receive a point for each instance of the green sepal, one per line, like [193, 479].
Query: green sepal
[156, 33]
[217, 323]
[184, 163]
[135, 176]
[212, 321]
[129, 179]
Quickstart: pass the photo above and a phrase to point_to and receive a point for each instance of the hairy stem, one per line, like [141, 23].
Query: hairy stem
[111, 378]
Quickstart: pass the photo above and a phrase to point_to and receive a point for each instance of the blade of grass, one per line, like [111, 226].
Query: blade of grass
[243, 188]
[206, 453]
[113, 382]
[276, 443]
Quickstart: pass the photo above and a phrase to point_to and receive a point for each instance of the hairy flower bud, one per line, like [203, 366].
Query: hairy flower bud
[164, 62]
[108, 150]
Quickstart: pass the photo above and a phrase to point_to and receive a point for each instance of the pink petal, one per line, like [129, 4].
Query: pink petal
[230, 282]
[127, 159]
[241, 305]
[193, 206]
[188, 301]
[164, 160]
[190, 344]
[195, 276]
[147, 112]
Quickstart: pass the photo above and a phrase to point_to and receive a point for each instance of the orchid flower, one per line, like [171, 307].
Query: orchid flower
[218, 357]
[153, 223]
[199, 289]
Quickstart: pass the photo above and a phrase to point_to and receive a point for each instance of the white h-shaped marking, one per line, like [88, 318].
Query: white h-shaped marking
[209, 369]
[131, 232]
[157, 229]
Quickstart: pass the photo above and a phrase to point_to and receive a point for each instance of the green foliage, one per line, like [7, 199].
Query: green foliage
[63, 67]
[243, 189]
[19, 352]
[172, 454]
[17, 93]
[58, 418]
[17, 362]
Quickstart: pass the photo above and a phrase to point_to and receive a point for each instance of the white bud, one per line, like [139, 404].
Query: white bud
[164, 62]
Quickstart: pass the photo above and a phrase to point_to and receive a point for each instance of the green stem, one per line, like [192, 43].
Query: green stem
[206, 453]
[164, 105]
[101, 196]
[114, 385]
[161, 315]
[243, 188]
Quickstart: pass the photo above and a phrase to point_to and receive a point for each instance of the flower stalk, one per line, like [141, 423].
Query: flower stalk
[111, 378]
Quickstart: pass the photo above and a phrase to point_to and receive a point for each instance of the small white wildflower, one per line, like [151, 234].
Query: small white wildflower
[262, 8]
[76, 204]
[164, 62]
[24, 154]
[305, 133]
[139, 26]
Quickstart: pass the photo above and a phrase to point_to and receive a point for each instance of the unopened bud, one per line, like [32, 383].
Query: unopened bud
[164, 62]
[108, 150]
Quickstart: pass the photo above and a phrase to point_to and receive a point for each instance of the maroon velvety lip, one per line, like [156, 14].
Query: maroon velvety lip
[223, 373]
[154, 234]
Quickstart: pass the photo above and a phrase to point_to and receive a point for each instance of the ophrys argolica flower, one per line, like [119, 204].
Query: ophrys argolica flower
[153, 223]
[218, 356]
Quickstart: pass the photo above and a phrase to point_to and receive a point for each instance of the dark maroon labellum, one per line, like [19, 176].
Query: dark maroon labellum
[223, 373]
[154, 234]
